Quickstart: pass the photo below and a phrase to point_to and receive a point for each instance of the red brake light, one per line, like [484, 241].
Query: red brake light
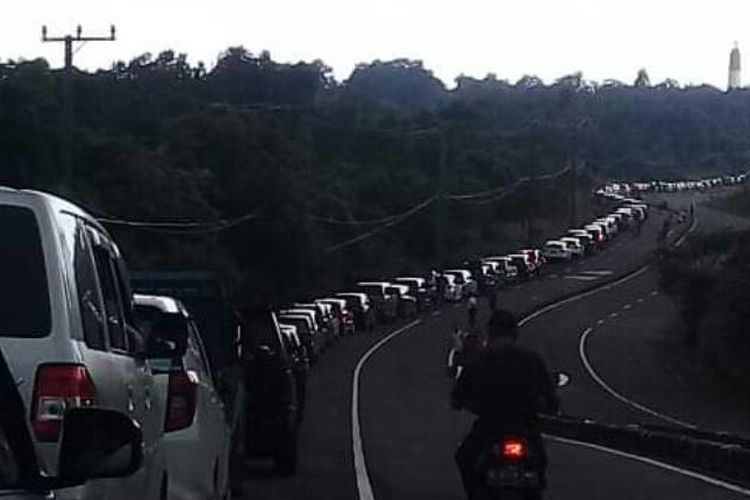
[181, 398]
[57, 387]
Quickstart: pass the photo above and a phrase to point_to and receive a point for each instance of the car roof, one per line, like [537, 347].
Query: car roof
[554, 242]
[360, 295]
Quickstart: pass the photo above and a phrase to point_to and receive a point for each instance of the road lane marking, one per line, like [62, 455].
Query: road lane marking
[654, 293]
[581, 278]
[614, 315]
[650, 461]
[598, 272]
[600, 322]
[594, 375]
[627, 306]
[639, 300]
[583, 295]
[437, 313]
[364, 487]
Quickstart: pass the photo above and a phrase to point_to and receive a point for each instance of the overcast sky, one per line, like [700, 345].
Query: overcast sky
[682, 39]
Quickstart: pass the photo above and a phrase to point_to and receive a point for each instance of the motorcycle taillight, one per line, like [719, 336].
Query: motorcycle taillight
[511, 449]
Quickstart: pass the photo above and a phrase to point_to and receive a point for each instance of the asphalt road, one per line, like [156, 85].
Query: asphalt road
[408, 434]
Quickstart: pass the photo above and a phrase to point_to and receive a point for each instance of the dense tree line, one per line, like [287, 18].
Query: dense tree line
[318, 162]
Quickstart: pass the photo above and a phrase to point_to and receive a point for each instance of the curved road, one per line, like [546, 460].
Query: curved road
[408, 434]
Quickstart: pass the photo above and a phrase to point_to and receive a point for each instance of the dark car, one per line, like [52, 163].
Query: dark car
[271, 403]
[522, 264]
[385, 304]
[419, 289]
[301, 362]
[359, 304]
[406, 305]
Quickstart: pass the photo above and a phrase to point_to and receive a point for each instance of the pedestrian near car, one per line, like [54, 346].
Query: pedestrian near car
[473, 306]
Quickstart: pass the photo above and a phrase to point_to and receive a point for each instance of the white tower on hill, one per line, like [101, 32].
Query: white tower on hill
[734, 68]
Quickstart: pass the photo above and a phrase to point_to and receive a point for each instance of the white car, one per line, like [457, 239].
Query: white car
[304, 322]
[610, 223]
[508, 270]
[196, 434]
[555, 250]
[465, 279]
[68, 332]
[574, 246]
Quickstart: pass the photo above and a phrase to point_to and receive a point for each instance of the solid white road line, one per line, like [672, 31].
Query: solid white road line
[594, 375]
[655, 463]
[364, 487]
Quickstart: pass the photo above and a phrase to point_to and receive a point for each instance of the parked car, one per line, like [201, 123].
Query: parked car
[452, 290]
[589, 246]
[640, 211]
[272, 409]
[626, 215]
[465, 279]
[535, 259]
[574, 246]
[418, 289]
[610, 223]
[556, 251]
[196, 423]
[300, 362]
[597, 234]
[407, 304]
[385, 304]
[342, 313]
[72, 336]
[508, 270]
[96, 443]
[521, 262]
[359, 304]
[304, 322]
[322, 319]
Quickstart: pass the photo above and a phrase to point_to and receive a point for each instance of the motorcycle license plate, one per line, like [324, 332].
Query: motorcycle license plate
[511, 476]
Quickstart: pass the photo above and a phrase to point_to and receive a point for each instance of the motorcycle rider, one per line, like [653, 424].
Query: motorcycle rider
[507, 387]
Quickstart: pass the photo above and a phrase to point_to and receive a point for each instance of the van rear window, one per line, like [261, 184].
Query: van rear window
[24, 299]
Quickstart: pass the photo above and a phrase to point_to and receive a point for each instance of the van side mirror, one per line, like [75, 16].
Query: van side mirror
[98, 443]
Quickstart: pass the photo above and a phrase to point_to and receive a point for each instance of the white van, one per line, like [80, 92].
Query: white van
[68, 330]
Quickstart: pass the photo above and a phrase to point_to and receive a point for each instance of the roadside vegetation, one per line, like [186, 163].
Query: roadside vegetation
[709, 279]
[289, 181]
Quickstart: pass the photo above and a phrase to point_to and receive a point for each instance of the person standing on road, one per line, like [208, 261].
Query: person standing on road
[472, 311]
[505, 387]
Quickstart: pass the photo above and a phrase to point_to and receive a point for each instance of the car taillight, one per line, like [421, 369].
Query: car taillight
[181, 399]
[57, 387]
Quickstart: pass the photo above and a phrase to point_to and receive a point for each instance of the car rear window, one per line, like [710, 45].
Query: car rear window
[25, 310]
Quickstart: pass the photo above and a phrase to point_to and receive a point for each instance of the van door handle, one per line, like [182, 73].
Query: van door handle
[131, 404]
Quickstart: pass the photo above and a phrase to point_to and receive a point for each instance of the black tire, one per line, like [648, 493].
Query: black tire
[287, 455]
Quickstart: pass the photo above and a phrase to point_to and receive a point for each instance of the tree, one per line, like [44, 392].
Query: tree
[642, 80]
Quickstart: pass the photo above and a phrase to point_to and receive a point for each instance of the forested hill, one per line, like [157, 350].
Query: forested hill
[318, 182]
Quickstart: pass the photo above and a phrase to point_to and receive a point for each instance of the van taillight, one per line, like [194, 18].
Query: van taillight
[183, 387]
[57, 387]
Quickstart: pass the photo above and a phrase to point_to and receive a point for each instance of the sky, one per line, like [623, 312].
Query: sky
[688, 40]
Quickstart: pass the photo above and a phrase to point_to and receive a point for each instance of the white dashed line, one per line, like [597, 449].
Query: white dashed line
[654, 293]
[614, 315]
[600, 322]
[627, 306]
[436, 313]
[639, 300]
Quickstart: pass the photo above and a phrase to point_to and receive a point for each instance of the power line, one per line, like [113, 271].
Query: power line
[182, 227]
[385, 226]
[501, 189]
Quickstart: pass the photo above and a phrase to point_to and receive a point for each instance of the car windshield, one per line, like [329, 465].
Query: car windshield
[24, 296]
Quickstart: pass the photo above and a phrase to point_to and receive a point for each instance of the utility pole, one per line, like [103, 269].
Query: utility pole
[67, 90]
[440, 206]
